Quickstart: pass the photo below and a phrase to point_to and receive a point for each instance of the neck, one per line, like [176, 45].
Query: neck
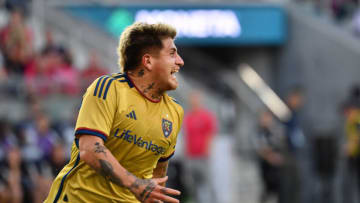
[146, 84]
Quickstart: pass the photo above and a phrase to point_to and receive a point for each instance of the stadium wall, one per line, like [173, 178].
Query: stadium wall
[324, 59]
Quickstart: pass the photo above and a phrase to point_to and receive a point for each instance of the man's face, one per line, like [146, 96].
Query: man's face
[166, 64]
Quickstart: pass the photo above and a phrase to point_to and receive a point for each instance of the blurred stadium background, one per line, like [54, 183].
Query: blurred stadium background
[246, 57]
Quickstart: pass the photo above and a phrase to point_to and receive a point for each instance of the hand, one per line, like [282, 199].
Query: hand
[150, 190]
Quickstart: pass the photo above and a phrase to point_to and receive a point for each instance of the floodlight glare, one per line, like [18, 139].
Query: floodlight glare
[264, 92]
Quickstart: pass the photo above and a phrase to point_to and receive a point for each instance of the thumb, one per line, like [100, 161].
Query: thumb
[161, 180]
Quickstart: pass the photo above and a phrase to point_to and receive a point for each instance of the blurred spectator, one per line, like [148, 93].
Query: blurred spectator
[352, 116]
[46, 137]
[65, 129]
[49, 41]
[29, 152]
[293, 129]
[58, 158]
[52, 72]
[41, 150]
[40, 72]
[66, 76]
[295, 141]
[92, 71]
[352, 144]
[269, 146]
[16, 43]
[200, 127]
[325, 158]
[10, 166]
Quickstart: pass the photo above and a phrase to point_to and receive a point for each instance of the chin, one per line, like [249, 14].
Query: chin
[172, 85]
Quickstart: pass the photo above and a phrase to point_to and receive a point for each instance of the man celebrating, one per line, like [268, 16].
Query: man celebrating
[127, 126]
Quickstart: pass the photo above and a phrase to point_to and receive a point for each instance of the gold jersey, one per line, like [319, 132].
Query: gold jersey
[139, 133]
[352, 127]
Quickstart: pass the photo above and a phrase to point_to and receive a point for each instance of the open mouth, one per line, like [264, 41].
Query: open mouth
[173, 73]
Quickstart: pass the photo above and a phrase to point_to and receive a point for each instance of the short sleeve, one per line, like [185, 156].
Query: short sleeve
[170, 152]
[97, 109]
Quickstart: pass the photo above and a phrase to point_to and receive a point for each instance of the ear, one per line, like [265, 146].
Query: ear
[146, 61]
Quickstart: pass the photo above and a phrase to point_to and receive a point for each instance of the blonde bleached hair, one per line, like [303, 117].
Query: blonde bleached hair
[140, 38]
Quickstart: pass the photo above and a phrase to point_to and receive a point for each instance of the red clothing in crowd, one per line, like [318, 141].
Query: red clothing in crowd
[92, 72]
[200, 126]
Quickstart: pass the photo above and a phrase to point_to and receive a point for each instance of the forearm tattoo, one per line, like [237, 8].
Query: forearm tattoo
[150, 186]
[100, 148]
[107, 171]
[138, 182]
[147, 191]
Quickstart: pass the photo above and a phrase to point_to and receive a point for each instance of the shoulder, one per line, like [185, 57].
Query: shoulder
[172, 101]
[175, 104]
[121, 80]
[117, 77]
[176, 101]
[105, 83]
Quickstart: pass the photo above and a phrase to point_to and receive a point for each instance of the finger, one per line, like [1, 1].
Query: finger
[168, 191]
[165, 198]
[161, 180]
[154, 201]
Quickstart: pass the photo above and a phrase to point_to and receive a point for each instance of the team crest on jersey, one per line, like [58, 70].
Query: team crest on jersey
[166, 127]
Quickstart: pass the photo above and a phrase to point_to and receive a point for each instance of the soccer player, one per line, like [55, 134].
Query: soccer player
[127, 126]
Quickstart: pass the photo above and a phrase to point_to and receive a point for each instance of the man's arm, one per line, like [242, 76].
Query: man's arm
[94, 153]
[161, 170]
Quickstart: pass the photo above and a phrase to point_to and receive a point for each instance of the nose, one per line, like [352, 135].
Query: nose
[179, 61]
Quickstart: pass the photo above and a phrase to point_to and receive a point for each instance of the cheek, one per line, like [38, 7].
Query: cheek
[161, 73]
[166, 68]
